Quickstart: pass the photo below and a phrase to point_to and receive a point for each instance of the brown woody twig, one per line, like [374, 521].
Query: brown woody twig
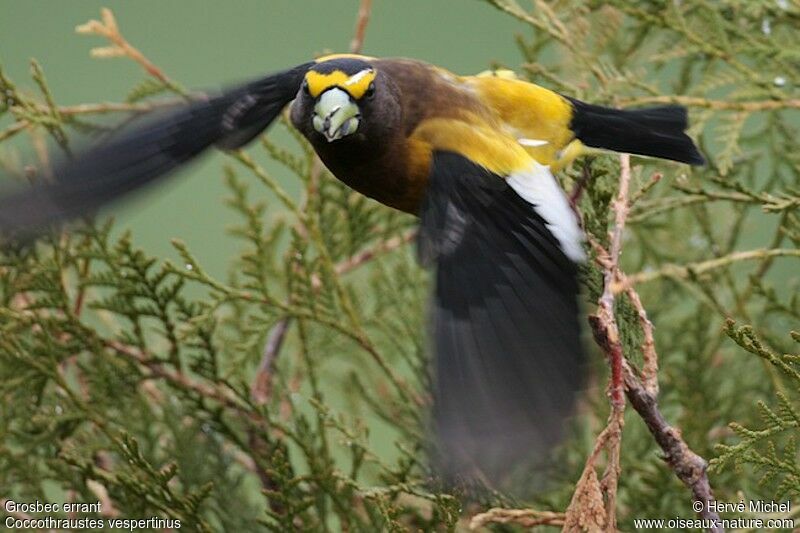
[262, 383]
[586, 510]
[717, 105]
[120, 47]
[649, 355]
[521, 517]
[702, 267]
[642, 391]
[159, 370]
[687, 465]
[362, 20]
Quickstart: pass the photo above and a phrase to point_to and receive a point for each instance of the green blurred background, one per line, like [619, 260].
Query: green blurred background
[205, 44]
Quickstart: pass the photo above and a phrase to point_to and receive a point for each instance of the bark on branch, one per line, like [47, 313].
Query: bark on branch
[593, 504]
[642, 390]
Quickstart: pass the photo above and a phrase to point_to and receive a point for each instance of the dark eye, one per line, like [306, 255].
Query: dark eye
[305, 87]
[370, 92]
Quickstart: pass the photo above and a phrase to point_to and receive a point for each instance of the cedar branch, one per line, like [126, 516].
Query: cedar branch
[262, 382]
[642, 392]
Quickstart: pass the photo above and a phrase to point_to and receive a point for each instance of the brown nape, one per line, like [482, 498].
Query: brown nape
[428, 92]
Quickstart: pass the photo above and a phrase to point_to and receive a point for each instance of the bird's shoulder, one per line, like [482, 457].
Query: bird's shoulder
[536, 116]
[490, 117]
[442, 112]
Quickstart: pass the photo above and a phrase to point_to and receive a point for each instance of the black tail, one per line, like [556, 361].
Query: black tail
[651, 131]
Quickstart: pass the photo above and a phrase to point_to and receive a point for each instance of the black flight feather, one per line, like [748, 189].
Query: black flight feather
[135, 156]
[650, 131]
[506, 334]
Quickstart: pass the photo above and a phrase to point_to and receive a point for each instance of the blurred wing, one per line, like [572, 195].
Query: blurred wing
[506, 335]
[135, 156]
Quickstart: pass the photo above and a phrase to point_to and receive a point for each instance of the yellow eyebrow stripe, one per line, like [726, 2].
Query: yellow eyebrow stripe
[356, 84]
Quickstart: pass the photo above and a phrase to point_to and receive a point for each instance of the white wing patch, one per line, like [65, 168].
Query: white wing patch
[531, 142]
[538, 186]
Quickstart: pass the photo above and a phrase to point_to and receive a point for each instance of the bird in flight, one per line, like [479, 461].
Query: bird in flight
[472, 157]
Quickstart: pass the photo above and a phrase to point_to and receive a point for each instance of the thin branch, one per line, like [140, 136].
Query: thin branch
[13, 129]
[114, 107]
[262, 386]
[650, 367]
[262, 382]
[580, 185]
[107, 507]
[621, 208]
[638, 195]
[365, 256]
[362, 20]
[521, 517]
[719, 105]
[585, 508]
[159, 370]
[87, 109]
[687, 465]
[702, 267]
[120, 47]
[769, 203]
[642, 392]
[605, 313]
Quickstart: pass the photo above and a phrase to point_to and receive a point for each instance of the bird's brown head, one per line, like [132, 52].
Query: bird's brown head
[346, 100]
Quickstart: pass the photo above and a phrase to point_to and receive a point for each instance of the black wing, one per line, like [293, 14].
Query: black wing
[506, 334]
[135, 156]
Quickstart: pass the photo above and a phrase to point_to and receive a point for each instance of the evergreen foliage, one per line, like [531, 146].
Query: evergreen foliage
[291, 395]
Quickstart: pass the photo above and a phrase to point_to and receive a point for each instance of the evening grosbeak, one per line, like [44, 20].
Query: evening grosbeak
[472, 157]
